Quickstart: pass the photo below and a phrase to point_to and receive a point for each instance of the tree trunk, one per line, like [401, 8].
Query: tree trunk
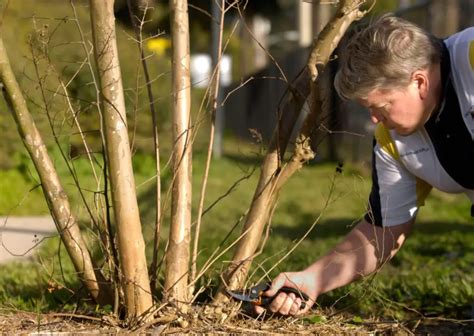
[273, 173]
[134, 277]
[178, 254]
[137, 22]
[56, 198]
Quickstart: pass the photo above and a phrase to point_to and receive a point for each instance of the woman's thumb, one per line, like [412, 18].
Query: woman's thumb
[277, 283]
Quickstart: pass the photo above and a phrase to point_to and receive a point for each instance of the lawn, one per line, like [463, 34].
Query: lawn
[431, 276]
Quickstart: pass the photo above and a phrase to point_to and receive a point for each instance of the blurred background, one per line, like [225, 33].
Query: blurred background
[266, 43]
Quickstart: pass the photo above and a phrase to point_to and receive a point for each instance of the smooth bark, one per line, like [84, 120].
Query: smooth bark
[178, 253]
[138, 22]
[134, 273]
[54, 193]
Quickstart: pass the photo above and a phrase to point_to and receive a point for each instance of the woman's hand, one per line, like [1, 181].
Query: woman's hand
[289, 303]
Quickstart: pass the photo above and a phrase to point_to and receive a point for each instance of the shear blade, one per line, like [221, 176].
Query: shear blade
[240, 296]
[252, 294]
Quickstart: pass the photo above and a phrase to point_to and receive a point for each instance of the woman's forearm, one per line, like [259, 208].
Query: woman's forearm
[362, 252]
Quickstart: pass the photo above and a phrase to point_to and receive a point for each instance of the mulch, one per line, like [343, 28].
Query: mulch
[205, 321]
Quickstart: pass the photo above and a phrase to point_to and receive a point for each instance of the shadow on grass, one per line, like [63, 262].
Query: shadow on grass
[335, 227]
[338, 227]
[324, 229]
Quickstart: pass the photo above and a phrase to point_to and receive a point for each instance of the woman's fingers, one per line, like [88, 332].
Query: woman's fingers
[259, 310]
[282, 303]
[295, 308]
[289, 303]
[285, 304]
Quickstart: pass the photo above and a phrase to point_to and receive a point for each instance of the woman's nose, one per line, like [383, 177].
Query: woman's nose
[376, 117]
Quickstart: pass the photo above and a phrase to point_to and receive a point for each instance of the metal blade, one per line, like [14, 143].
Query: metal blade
[241, 296]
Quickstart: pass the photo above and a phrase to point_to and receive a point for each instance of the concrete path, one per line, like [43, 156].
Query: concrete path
[20, 236]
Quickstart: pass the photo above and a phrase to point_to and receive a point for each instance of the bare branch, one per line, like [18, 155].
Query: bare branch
[54, 193]
[130, 239]
[274, 174]
[138, 27]
[177, 255]
[213, 94]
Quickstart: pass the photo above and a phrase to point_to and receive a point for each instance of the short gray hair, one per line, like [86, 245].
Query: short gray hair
[384, 55]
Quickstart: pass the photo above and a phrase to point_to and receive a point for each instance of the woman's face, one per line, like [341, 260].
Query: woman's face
[405, 110]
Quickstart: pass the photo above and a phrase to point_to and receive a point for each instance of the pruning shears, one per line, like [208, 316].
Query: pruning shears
[255, 295]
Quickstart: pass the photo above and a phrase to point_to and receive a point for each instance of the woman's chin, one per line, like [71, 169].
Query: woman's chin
[404, 131]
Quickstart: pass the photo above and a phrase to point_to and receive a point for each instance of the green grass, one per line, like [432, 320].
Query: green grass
[432, 273]
[20, 195]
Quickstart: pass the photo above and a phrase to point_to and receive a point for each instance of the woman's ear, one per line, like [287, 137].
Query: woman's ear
[421, 80]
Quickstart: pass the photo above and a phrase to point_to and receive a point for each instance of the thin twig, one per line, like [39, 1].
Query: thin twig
[249, 30]
[310, 229]
[215, 93]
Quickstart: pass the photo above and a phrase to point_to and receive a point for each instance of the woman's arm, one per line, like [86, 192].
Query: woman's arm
[361, 252]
